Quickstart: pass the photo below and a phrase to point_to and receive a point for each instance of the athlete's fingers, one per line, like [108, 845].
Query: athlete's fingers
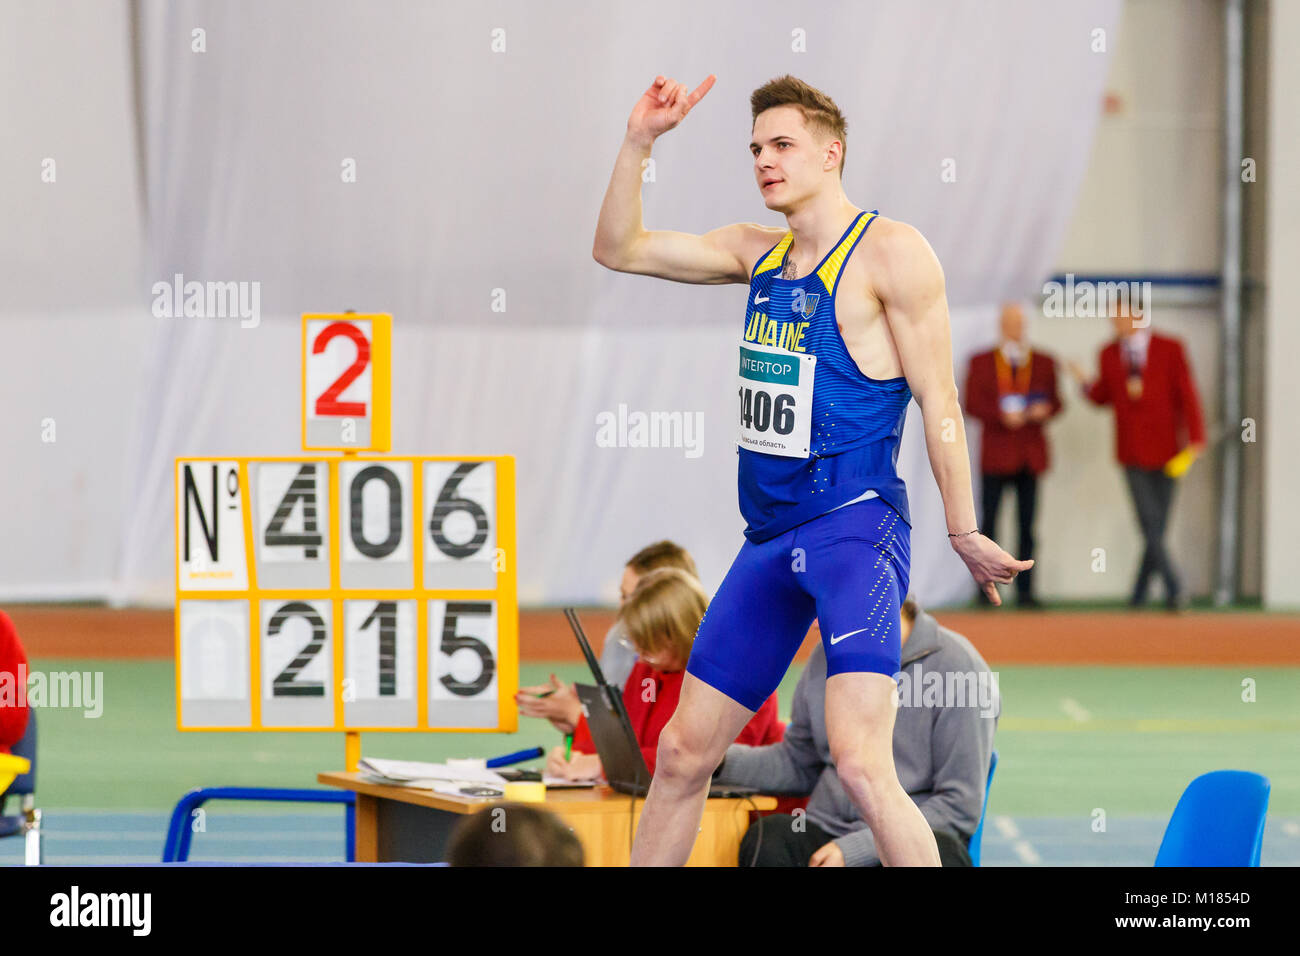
[991, 590]
[679, 101]
[666, 94]
[701, 90]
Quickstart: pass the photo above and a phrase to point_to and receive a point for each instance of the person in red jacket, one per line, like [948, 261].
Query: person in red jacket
[13, 690]
[1145, 377]
[660, 618]
[1011, 390]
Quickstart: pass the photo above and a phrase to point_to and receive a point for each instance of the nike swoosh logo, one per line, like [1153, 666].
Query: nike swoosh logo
[836, 640]
[758, 301]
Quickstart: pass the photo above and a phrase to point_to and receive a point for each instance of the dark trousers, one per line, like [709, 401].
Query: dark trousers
[1153, 493]
[1026, 485]
[778, 843]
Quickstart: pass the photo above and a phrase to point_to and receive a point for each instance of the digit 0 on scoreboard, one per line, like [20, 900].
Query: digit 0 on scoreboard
[346, 382]
[359, 593]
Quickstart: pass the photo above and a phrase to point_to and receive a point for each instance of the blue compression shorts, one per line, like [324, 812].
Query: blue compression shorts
[848, 568]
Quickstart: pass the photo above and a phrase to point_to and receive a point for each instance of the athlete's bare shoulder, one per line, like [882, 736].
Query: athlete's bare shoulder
[754, 241]
[894, 253]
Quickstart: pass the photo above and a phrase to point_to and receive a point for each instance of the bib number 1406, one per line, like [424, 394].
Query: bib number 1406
[760, 411]
[776, 392]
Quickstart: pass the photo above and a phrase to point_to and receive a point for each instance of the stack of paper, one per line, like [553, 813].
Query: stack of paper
[424, 776]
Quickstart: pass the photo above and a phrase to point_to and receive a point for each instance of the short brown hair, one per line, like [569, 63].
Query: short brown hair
[662, 554]
[664, 612]
[513, 834]
[819, 111]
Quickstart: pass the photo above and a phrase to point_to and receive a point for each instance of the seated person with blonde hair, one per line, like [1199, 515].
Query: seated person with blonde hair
[661, 617]
[557, 701]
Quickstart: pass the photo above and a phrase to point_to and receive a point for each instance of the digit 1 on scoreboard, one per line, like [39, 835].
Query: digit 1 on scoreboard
[379, 663]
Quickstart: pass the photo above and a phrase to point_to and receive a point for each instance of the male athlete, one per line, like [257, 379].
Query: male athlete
[846, 321]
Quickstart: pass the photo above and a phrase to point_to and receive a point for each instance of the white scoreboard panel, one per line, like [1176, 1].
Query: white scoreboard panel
[353, 593]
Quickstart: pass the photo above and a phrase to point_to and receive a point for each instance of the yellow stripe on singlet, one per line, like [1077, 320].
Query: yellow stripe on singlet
[774, 257]
[830, 270]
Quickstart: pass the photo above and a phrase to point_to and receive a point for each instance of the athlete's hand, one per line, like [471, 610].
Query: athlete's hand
[829, 855]
[988, 564]
[663, 106]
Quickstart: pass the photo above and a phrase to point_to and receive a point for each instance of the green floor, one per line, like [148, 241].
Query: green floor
[1072, 739]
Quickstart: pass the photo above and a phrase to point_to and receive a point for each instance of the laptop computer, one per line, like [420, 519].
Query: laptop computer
[611, 729]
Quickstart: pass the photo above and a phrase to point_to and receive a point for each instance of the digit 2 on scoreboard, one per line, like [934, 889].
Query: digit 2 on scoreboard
[460, 525]
[297, 663]
[347, 382]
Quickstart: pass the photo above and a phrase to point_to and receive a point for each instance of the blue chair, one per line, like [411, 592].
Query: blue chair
[1219, 821]
[180, 830]
[976, 838]
[27, 822]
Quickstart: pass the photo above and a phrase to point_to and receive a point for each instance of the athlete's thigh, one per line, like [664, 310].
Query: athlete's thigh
[706, 721]
[858, 561]
[754, 624]
[860, 712]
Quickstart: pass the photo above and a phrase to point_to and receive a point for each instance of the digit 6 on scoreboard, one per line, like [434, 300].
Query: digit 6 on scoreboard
[460, 525]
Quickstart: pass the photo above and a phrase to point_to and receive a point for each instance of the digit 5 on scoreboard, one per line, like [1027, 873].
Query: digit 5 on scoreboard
[347, 382]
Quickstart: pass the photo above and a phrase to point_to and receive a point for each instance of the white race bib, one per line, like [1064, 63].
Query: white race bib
[776, 395]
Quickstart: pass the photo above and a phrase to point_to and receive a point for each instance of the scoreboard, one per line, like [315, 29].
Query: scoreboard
[346, 593]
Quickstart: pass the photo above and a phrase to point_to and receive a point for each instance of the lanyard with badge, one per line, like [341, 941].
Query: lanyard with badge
[1134, 364]
[1013, 389]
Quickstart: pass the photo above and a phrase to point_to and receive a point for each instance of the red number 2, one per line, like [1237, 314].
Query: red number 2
[328, 403]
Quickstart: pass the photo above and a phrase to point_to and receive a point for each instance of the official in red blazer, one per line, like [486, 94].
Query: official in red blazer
[13, 691]
[1012, 391]
[661, 618]
[1146, 378]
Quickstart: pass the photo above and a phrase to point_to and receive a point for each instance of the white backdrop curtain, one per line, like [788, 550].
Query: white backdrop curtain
[480, 170]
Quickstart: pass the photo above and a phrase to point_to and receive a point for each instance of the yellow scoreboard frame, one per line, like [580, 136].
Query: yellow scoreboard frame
[207, 575]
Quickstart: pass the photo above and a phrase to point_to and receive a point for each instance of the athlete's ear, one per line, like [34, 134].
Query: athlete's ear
[834, 153]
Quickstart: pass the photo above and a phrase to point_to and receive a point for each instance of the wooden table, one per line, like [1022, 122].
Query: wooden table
[409, 825]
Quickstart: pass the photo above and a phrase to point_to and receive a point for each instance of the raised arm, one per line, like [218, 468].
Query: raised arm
[624, 244]
[909, 282]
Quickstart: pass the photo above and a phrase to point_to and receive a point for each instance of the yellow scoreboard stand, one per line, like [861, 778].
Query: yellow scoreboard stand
[361, 592]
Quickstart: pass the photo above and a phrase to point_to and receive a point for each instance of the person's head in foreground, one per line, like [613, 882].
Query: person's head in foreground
[513, 834]
[661, 554]
[662, 615]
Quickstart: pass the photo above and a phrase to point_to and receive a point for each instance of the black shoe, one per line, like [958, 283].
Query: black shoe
[1028, 601]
